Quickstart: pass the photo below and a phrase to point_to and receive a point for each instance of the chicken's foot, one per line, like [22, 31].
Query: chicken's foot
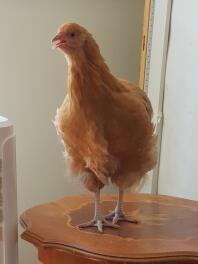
[118, 214]
[99, 220]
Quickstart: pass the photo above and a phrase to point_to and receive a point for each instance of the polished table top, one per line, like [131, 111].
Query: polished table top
[167, 228]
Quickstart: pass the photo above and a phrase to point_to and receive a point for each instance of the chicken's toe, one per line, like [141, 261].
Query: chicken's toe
[99, 223]
[119, 216]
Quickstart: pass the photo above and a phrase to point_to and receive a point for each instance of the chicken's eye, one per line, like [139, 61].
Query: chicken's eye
[72, 34]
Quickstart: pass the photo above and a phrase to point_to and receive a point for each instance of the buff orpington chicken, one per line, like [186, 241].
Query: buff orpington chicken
[104, 123]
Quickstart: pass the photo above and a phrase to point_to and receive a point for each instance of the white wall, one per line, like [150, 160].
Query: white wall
[33, 78]
[179, 157]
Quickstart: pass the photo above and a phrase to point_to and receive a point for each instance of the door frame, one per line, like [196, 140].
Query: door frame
[154, 73]
[144, 42]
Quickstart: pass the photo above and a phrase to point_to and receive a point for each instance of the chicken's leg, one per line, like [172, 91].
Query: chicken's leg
[118, 213]
[99, 220]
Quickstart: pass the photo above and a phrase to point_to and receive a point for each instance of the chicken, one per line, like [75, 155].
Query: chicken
[104, 123]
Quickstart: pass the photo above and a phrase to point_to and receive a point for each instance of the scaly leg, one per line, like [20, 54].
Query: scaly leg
[118, 213]
[98, 221]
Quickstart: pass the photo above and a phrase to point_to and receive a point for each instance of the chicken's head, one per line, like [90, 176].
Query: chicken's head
[70, 38]
[76, 42]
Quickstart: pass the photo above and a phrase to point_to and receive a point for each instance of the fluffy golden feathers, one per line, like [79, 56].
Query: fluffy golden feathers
[105, 123]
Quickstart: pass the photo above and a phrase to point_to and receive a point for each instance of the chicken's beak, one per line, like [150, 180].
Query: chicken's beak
[56, 38]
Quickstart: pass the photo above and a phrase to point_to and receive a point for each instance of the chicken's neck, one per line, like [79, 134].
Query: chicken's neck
[89, 80]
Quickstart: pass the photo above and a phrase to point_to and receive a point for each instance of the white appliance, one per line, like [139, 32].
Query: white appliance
[8, 195]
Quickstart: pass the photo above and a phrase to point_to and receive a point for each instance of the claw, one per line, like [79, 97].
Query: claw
[88, 224]
[100, 224]
[115, 219]
[118, 216]
[109, 224]
[98, 221]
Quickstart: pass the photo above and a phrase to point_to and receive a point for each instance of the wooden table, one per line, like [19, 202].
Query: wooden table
[167, 231]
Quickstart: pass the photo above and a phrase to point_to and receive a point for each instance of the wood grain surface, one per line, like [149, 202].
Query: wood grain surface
[167, 231]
